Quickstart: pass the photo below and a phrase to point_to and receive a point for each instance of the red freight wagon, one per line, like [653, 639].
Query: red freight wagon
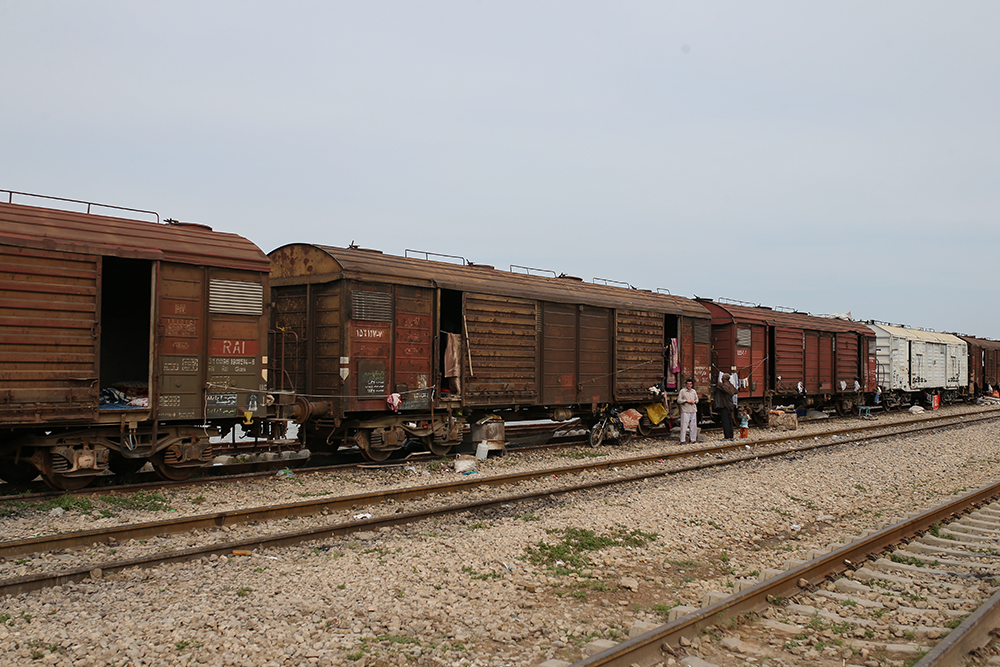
[792, 357]
[984, 364]
[356, 329]
[121, 339]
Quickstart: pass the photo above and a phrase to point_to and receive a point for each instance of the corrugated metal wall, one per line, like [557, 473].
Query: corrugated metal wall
[48, 346]
[848, 371]
[789, 346]
[559, 378]
[640, 362]
[503, 344]
[595, 349]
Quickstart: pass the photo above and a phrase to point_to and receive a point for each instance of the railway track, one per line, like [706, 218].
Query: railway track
[942, 563]
[708, 457]
[210, 474]
[569, 438]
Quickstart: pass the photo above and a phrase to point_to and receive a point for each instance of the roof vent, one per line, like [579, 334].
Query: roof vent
[357, 247]
[563, 275]
[188, 225]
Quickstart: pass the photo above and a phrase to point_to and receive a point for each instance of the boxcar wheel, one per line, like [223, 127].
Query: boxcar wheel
[439, 448]
[170, 472]
[644, 427]
[64, 483]
[17, 473]
[363, 438]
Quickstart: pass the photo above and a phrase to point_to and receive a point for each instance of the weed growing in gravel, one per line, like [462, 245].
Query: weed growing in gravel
[802, 501]
[482, 576]
[906, 560]
[38, 649]
[244, 591]
[530, 517]
[954, 623]
[663, 609]
[65, 502]
[197, 500]
[478, 525]
[570, 553]
[781, 511]
[850, 603]
[186, 644]
[140, 501]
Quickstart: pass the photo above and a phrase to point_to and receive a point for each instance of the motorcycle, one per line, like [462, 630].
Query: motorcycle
[609, 427]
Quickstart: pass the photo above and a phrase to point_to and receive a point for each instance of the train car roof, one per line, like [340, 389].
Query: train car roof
[981, 342]
[305, 262]
[723, 312]
[87, 233]
[918, 334]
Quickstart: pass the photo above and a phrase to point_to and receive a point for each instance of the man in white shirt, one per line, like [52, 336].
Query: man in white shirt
[687, 398]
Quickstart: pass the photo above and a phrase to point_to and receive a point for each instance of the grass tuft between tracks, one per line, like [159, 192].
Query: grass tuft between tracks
[104, 505]
[569, 554]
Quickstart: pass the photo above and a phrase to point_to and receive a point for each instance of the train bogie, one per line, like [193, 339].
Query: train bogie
[121, 339]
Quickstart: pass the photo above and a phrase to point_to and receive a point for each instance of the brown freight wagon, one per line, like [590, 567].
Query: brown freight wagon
[792, 357]
[984, 364]
[123, 341]
[454, 343]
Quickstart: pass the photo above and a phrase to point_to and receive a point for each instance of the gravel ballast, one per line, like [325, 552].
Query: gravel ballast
[515, 585]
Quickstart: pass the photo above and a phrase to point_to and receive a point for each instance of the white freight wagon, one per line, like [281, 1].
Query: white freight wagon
[915, 364]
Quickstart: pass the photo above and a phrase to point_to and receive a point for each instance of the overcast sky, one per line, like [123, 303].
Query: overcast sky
[827, 156]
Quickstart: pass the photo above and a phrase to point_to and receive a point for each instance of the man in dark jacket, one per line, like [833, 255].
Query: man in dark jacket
[722, 401]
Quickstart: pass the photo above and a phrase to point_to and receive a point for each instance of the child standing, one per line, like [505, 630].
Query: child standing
[744, 423]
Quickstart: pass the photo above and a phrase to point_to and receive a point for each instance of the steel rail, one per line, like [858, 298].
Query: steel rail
[973, 633]
[13, 548]
[646, 649]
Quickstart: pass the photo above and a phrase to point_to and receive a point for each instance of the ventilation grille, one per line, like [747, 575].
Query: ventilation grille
[742, 338]
[235, 297]
[371, 306]
[702, 333]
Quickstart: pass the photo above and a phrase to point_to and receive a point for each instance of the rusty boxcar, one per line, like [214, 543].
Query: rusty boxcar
[446, 344]
[791, 356]
[123, 341]
[984, 365]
